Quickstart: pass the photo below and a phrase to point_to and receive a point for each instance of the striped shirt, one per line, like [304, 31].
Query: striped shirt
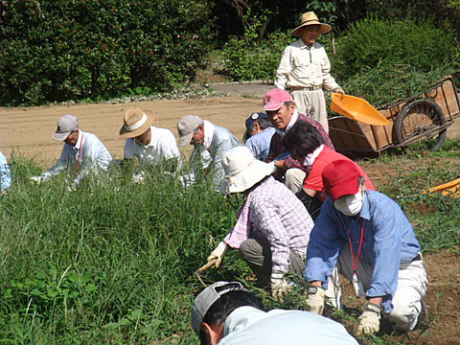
[277, 215]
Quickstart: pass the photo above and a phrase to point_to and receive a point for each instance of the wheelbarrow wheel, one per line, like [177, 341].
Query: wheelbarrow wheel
[418, 121]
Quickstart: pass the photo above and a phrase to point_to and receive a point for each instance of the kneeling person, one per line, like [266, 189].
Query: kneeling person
[227, 313]
[152, 146]
[273, 226]
[375, 246]
[83, 152]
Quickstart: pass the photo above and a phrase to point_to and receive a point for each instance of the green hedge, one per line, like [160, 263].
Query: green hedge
[61, 50]
[372, 42]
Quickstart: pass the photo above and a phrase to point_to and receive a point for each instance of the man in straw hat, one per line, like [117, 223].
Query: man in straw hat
[273, 226]
[226, 313]
[369, 237]
[152, 146]
[83, 152]
[304, 69]
[210, 144]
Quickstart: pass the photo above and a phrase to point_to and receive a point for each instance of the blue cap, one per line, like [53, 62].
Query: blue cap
[250, 120]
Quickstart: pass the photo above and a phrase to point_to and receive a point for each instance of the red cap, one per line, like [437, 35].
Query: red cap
[275, 98]
[341, 178]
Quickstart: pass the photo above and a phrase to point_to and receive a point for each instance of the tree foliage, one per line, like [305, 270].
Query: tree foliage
[59, 50]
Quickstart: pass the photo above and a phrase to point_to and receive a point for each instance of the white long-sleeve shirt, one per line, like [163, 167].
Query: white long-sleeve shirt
[161, 148]
[88, 154]
[303, 66]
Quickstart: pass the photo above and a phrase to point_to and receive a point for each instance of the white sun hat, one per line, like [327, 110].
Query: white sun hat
[242, 170]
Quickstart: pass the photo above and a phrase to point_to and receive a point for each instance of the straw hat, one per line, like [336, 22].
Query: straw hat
[135, 122]
[242, 170]
[310, 18]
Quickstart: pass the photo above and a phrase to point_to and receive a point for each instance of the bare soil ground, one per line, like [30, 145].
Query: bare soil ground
[26, 132]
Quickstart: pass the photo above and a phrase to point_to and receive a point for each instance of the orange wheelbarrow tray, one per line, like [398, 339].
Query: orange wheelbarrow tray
[357, 109]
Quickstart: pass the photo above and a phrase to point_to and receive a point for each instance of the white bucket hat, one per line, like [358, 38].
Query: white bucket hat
[242, 170]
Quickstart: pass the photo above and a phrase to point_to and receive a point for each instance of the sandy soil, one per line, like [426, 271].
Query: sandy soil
[27, 132]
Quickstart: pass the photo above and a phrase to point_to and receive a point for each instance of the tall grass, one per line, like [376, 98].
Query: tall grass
[110, 262]
[114, 262]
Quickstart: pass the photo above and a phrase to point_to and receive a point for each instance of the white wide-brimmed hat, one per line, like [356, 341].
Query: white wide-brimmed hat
[310, 18]
[242, 170]
[135, 122]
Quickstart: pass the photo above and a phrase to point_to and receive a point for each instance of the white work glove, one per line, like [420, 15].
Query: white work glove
[315, 300]
[369, 321]
[37, 179]
[280, 286]
[72, 187]
[339, 90]
[218, 254]
[138, 178]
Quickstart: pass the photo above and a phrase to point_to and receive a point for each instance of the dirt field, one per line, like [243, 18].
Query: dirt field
[27, 132]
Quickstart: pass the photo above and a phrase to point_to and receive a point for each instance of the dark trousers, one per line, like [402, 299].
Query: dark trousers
[258, 255]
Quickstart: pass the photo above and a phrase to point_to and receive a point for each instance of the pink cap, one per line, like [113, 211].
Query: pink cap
[275, 98]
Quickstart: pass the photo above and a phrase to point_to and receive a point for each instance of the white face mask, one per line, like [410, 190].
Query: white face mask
[350, 205]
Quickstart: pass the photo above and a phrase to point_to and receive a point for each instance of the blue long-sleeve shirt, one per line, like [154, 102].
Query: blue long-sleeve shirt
[5, 174]
[259, 144]
[388, 241]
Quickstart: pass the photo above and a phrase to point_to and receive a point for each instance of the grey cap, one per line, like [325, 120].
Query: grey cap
[207, 297]
[186, 126]
[66, 124]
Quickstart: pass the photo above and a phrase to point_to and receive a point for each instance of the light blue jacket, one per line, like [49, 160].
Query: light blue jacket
[222, 141]
[259, 144]
[5, 174]
[388, 241]
[250, 326]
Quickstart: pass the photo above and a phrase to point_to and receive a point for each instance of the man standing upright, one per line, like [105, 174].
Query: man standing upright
[304, 69]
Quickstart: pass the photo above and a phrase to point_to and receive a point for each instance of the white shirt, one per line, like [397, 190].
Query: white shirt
[162, 147]
[302, 66]
[248, 325]
[88, 154]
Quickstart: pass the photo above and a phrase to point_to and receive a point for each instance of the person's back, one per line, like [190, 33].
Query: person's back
[222, 141]
[227, 313]
[259, 144]
[248, 325]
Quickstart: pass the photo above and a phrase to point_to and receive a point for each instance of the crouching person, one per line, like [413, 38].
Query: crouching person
[375, 246]
[227, 313]
[273, 226]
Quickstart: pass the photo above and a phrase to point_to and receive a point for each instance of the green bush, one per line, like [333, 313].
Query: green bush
[371, 42]
[62, 50]
[389, 81]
